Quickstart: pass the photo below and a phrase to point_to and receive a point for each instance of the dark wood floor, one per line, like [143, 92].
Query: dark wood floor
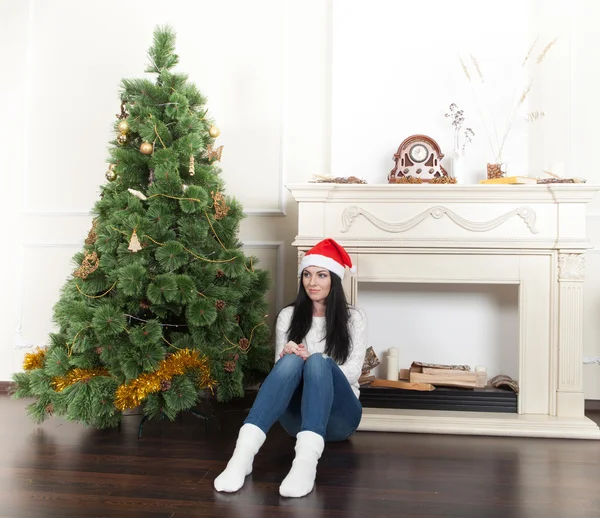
[61, 469]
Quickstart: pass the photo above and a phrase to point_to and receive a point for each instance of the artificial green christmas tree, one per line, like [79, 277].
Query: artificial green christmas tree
[163, 304]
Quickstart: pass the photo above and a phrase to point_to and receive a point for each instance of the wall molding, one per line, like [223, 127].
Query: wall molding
[280, 266]
[591, 360]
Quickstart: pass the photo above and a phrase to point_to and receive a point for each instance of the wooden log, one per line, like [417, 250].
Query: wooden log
[445, 380]
[406, 385]
[404, 374]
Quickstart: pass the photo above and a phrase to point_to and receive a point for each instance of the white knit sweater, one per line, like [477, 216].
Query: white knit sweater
[314, 341]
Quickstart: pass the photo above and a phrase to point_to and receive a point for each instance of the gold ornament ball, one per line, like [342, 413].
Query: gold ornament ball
[123, 126]
[111, 176]
[214, 132]
[146, 148]
[111, 167]
[122, 139]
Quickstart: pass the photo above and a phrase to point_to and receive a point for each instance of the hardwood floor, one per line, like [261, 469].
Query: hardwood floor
[61, 469]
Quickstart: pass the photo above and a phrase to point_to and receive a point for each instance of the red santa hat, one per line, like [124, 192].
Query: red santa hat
[328, 254]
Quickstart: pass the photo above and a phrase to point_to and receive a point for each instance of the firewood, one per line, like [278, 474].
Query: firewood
[404, 374]
[419, 366]
[406, 385]
[458, 379]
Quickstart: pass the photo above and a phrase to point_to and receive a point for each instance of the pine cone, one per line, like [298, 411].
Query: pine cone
[244, 343]
[229, 366]
[237, 319]
[50, 409]
[220, 273]
[165, 385]
[220, 304]
[99, 350]
[144, 303]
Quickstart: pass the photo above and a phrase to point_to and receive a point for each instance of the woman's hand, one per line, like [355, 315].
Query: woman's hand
[294, 348]
[302, 352]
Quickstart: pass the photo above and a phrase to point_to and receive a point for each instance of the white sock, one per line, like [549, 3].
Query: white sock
[301, 478]
[249, 441]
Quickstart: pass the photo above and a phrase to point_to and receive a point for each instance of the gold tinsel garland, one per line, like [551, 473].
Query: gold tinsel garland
[130, 395]
[415, 180]
[34, 360]
[76, 375]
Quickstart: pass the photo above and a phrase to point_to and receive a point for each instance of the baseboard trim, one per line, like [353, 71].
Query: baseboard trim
[5, 386]
[592, 405]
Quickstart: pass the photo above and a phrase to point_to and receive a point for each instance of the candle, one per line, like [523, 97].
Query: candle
[392, 364]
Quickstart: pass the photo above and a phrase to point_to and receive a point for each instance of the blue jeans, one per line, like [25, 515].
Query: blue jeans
[311, 395]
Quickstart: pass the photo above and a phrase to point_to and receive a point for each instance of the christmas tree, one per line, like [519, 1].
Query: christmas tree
[163, 304]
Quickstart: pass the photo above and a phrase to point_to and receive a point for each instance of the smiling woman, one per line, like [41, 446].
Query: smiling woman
[313, 389]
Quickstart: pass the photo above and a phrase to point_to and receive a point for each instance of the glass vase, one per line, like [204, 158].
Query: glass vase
[496, 171]
[458, 165]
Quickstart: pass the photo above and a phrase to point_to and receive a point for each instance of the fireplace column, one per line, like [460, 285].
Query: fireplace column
[570, 396]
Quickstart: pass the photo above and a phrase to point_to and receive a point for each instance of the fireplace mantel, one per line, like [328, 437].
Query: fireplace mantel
[532, 236]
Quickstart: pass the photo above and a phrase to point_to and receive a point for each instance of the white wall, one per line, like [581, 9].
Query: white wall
[252, 60]
[297, 89]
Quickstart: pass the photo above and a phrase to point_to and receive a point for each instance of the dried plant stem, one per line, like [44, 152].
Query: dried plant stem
[487, 133]
[501, 139]
[477, 67]
[529, 52]
[546, 49]
[465, 70]
[513, 117]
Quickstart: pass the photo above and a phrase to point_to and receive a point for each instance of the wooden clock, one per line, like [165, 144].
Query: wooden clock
[419, 160]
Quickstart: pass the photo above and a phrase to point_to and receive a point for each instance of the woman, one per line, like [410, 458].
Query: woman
[313, 387]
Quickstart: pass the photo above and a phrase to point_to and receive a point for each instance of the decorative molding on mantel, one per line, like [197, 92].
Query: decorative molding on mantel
[454, 242]
[571, 267]
[550, 193]
[590, 360]
[351, 213]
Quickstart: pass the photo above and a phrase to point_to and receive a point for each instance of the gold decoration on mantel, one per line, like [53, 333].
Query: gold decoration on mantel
[338, 179]
[439, 180]
[443, 180]
[408, 179]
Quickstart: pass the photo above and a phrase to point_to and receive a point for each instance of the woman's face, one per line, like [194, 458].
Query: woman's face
[317, 283]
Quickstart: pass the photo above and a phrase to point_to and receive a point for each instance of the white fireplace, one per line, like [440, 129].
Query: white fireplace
[531, 236]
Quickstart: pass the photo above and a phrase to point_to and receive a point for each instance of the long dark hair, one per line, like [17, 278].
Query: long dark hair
[337, 316]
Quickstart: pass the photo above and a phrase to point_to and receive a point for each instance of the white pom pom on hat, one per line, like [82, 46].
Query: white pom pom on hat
[328, 254]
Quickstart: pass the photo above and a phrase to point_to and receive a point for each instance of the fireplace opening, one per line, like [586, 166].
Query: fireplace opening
[443, 323]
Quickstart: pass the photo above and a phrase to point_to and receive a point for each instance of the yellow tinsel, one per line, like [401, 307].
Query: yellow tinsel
[130, 395]
[74, 376]
[34, 360]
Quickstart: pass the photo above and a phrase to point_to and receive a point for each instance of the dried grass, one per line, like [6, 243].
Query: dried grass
[518, 102]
